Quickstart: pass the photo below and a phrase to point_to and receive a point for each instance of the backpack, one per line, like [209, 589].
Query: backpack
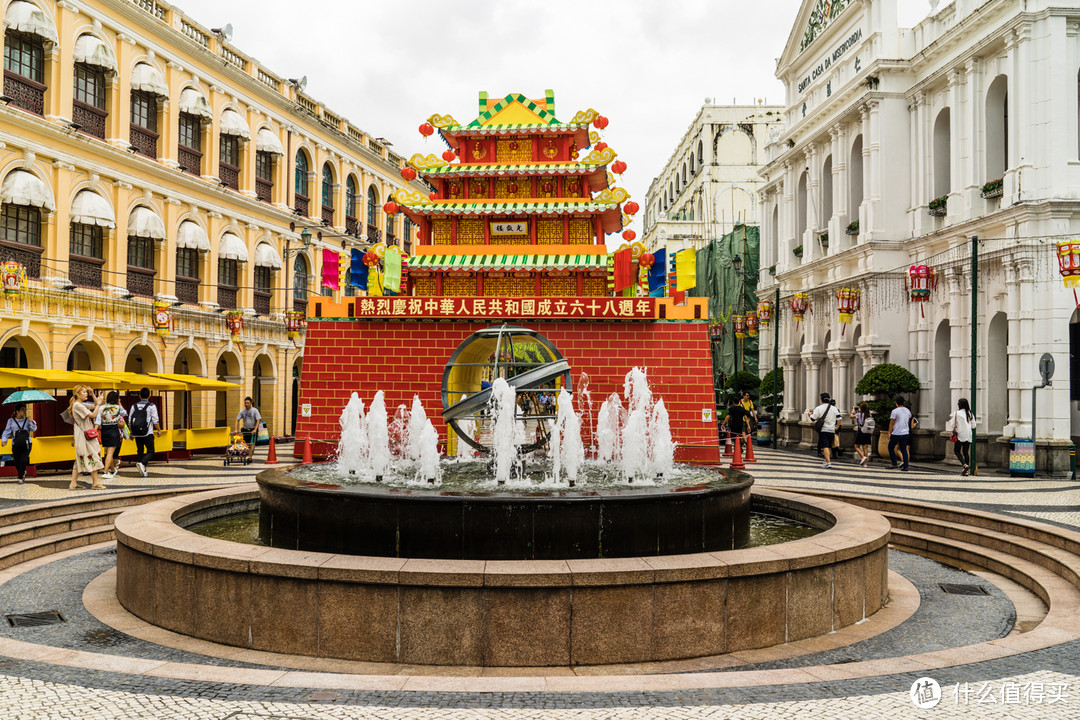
[869, 425]
[821, 420]
[139, 422]
[20, 441]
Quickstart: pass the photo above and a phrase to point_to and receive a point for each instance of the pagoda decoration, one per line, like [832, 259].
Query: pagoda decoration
[294, 320]
[920, 283]
[1068, 254]
[848, 303]
[14, 277]
[764, 313]
[800, 305]
[520, 207]
[752, 323]
[162, 320]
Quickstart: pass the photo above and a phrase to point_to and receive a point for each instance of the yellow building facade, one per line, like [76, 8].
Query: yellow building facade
[144, 158]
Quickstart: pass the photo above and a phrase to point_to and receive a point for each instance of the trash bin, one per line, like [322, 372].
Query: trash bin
[1022, 458]
[764, 432]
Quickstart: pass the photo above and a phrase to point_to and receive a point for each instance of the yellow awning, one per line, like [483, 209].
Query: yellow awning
[195, 382]
[135, 381]
[45, 379]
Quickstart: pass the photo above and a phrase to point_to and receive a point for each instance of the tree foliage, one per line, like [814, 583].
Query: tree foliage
[885, 382]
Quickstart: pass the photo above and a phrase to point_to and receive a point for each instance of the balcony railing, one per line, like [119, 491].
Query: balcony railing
[230, 175]
[85, 271]
[352, 226]
[264, 190]
[262, 302]
[24, 93]
[328, 215]
[140, 281]
[301, 205]
[144, 141]
[226, 297]
[390, 239]
[373, 234]
[300, 305]
[190, 160]
[29, 256]
[187, 291]
[91, 119]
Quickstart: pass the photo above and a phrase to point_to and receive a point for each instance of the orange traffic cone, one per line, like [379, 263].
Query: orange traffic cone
[307, 452]
[736, 462]
[271, 454]
[749, 450]
[727, 444]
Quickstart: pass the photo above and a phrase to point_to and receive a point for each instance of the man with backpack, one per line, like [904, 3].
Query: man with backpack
[143, 422]
[20, 430]
[827, 419]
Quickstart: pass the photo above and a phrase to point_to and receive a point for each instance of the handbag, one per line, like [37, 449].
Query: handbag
[953, 438]
[92, 434]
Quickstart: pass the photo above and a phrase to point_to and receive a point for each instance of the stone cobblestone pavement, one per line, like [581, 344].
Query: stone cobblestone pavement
[1040, 684]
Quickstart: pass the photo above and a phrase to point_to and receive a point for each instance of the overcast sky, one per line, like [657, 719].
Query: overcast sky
[646, 65]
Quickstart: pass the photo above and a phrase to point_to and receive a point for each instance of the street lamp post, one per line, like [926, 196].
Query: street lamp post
[305, 243]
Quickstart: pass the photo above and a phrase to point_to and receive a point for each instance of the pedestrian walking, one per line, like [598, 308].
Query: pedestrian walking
[83, 409]
[900, 423]
[20, 431]
[864, 431]
[750, 420]
[248, 420]
[961, 424]
[735, 420]
[111, 421]
[826, 421]
[144, 424]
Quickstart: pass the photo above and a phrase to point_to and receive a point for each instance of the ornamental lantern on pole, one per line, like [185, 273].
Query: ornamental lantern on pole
[764, 313]
[14, 277]
[294, 320]
[739, 323]
[921, 282]
[162, 320]
[1069, 265]
[752, 323]
[800, 305]
[234, 319]
[848, 303]
[716, 331]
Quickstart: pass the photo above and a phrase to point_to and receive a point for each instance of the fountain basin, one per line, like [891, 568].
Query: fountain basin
[505, 525]
[512, 613]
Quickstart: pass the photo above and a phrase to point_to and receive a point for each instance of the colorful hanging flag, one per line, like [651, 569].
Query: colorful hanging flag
[624, 269]
[330, 269]
[674, 293]
[658, 273]
[374, 282]
[685, 269]
[358, 271]
[392, 269]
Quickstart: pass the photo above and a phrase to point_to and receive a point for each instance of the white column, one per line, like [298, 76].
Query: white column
[974, 165]
[956, 125]
[873, 170]
[1013, 104]
[866, 228]
[958, 354]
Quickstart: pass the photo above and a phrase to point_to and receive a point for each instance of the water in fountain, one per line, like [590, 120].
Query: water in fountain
[608, 429]
[427, 450]
[662, 450]
[567, 451]
[506, 436]
[585, 403]
[399, 429]
[417, 420]
[378, 437]
[465, 451]
[352, 452]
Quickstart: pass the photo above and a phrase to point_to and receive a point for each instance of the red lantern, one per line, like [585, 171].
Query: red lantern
[920, 283]
[739, 322]
[631, 208]
[647, 260]
[408, 173]
[848, 302]
[449, 155]
[800, 305]
[1069, 265]
[427, 130]
[751, 323]
[512, 188]
[390, 208]
[629, 235]
[371, 259]
[618, 167]
[764, 313]
[600, 146]
[433, 195]
[600, 122]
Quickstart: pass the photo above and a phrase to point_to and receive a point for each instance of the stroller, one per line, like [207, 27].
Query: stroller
[237, 452]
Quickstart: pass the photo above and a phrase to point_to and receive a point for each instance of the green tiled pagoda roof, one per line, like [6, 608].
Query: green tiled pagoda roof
[508, 207]
[507, 262]
[498, 107]
[555, 168]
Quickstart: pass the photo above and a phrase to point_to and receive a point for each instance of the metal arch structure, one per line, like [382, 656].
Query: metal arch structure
[521, 374]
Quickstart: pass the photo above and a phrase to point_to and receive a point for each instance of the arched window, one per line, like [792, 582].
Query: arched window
[826, 194]
[692, 169]
[350, 198]
[24, 63]
[301, 183]
[700, 154]
[997, 128]
[372, 209]
[327, 186]
[300, 280]
[800, 210]
[855, 179]
[942, 154]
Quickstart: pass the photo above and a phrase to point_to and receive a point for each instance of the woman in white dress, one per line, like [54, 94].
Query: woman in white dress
[83, 407]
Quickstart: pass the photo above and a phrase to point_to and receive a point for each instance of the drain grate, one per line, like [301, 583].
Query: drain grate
[36, 619]
[953, 589]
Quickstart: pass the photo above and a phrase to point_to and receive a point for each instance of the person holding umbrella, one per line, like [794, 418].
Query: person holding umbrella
[20, 431]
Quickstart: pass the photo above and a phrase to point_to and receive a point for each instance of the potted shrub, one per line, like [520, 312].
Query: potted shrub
[824, 238]
[885, 382]
[797, 251]
[993, 188]
[938, 206]
[852, 228]
[741, 382]
[772, 270]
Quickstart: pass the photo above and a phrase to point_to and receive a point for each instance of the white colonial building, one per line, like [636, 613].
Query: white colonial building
[894, 142]
[712, 179]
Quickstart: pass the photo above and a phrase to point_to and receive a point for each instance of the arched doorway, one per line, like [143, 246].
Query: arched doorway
[141, 359]
[825, 378]
[857, 369]
[297, 364]
[262, 388]
[86, 355]
[228, 401]
[20, 351]
[942, 374]
[185, 407]
[996, 409]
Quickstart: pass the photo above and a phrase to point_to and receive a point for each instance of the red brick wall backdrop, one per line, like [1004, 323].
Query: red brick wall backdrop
[406, 358]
